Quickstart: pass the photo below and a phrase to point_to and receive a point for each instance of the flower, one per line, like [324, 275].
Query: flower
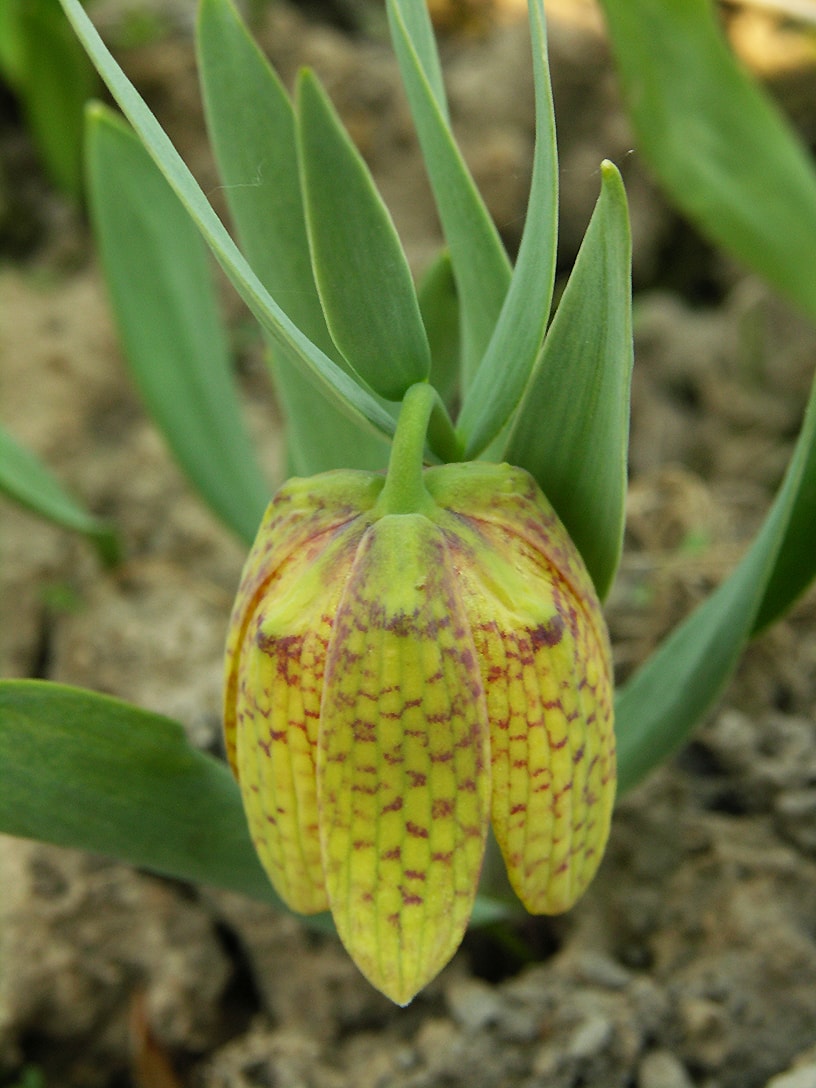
[395, 682]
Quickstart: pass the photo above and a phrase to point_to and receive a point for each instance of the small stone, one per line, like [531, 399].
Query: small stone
[590, 1037]
[796, 816]
[660, 1069]
[596, 969]
[473, 1004]
[803, 1077]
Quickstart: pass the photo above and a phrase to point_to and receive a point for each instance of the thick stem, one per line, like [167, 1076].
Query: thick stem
[404, 491]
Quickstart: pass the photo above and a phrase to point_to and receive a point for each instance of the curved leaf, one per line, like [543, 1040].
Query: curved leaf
[85, 770]
[720, 148]
[158, 274]
[480, 264]
[505, 369]
[667, 696]
[347, 394]
[360, 268]
[572, 428]
[24, 478]
[252, 130]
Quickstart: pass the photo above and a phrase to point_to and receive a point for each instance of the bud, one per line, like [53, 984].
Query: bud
[395, 681]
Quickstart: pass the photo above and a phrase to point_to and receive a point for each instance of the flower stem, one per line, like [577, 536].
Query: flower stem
[404, 491]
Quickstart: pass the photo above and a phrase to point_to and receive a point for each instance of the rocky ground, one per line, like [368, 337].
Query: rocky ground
[692, 959]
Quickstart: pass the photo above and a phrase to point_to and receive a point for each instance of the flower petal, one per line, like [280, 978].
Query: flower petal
[546, 664]
[280, 631]
[552, 749]
[403, 761]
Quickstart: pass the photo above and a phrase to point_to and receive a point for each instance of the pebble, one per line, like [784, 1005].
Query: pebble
[660, 1069]
[803, 1077]
[473, 1004]
[590, 1037]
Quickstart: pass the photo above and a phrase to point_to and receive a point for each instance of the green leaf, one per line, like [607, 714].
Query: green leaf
[55, 81]
[24, 478]
[718, 145]
[795, 566]
[343, 390]
[480, 264]
[668, 695]
[439, 306]
[511, 353]
[572, 428]
[11, 42]
[88, 771]
[360, 268]
[252, 131]
[158, 275]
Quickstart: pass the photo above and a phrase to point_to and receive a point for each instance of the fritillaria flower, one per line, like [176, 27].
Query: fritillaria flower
[396, 682]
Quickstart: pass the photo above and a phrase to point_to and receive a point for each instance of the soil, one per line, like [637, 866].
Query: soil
[692, 959]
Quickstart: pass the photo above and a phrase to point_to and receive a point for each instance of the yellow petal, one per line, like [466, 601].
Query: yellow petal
[280, 630]
[542, 643]
[403, 761]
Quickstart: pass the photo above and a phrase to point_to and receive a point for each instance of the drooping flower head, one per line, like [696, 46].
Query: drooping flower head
[398, 680]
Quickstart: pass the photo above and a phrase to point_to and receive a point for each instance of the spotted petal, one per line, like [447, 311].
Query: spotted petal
[403, 762]
[545, 658]
[280, 630]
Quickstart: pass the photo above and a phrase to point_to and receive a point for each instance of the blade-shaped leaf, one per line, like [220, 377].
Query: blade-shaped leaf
[24, 478]
[508, 361]
[252, 130]
[572, 428]
[360, 268]
[85, 770]
[343, 390]
[718, 145]
[439, 305]
[662, 702]
[158, 274]
[795, 566]
[480, 264]
[57, 81]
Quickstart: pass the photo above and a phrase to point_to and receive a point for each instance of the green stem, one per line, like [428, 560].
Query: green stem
[404, 491]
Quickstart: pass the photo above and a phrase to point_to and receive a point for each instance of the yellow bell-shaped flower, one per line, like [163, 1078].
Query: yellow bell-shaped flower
[397, 681]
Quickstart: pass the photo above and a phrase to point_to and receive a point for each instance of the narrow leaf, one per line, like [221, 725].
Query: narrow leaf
[718, 145]
[359, 265]
[572, 428]
[439, 305]
[24, 478]
[480, 264]
[417, 20]
[662, 702]
[343, 390]
[158, 274]
[511, 353]
[57, 80]
[84, 770]
[252, 130]
[795, 566]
